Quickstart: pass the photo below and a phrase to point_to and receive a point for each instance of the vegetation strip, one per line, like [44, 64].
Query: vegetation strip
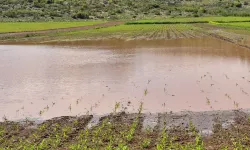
[41, 32]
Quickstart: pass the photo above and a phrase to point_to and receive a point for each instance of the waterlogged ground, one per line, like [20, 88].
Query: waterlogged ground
[90, 77]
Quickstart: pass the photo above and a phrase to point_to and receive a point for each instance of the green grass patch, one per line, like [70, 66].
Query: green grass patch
[36, 26]
[192, 20]
[238, 25]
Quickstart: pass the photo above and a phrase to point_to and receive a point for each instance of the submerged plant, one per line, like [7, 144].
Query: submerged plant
[145, 92]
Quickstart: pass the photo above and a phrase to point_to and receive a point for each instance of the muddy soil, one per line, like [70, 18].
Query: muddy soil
[216, 128]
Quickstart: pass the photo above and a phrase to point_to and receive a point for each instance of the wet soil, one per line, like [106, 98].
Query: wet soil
[218, 129]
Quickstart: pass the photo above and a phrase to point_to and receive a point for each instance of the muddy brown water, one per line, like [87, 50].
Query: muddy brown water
[75, 78]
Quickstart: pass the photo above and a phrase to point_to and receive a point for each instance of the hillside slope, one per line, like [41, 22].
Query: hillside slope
[24, 10]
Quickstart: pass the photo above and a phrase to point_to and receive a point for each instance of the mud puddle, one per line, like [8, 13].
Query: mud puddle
[89, 77]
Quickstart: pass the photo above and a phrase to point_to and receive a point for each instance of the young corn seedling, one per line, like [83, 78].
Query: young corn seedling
[82, 141]
[192, 128]
[122, 146]
[131, 132]
[199, 143]
[97, 140]
[117, 106]
[145, 92]
[145, 143]
[162, 144]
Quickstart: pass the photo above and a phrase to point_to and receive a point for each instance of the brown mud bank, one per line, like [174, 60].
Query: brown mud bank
[183, 130]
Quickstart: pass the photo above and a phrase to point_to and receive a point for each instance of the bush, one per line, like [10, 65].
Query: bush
[81, 15]
[55, 14]
[50, 1]
[38, 5]
[237, 4]
[10, 14]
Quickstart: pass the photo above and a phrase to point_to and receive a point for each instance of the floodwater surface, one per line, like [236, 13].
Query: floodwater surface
[90, 77]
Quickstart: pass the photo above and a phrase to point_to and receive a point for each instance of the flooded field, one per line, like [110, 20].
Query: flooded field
[89, 77]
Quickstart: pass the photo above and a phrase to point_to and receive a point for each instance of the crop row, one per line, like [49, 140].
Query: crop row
[138, 32]
[119, 131]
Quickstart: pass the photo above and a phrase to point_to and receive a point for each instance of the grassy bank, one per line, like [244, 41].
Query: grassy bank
[36, 26]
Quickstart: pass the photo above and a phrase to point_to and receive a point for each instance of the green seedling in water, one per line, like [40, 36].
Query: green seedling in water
[236, 105]
[117, 105]
[208, 101]
[140, 108]
[47, 107]
[145, 92]
[41, 112]
[70, 108]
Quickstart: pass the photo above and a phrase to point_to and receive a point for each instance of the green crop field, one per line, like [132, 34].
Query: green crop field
[140, 31]
[36, 26]
[191, 20]
[238, 25]
[130, 29]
